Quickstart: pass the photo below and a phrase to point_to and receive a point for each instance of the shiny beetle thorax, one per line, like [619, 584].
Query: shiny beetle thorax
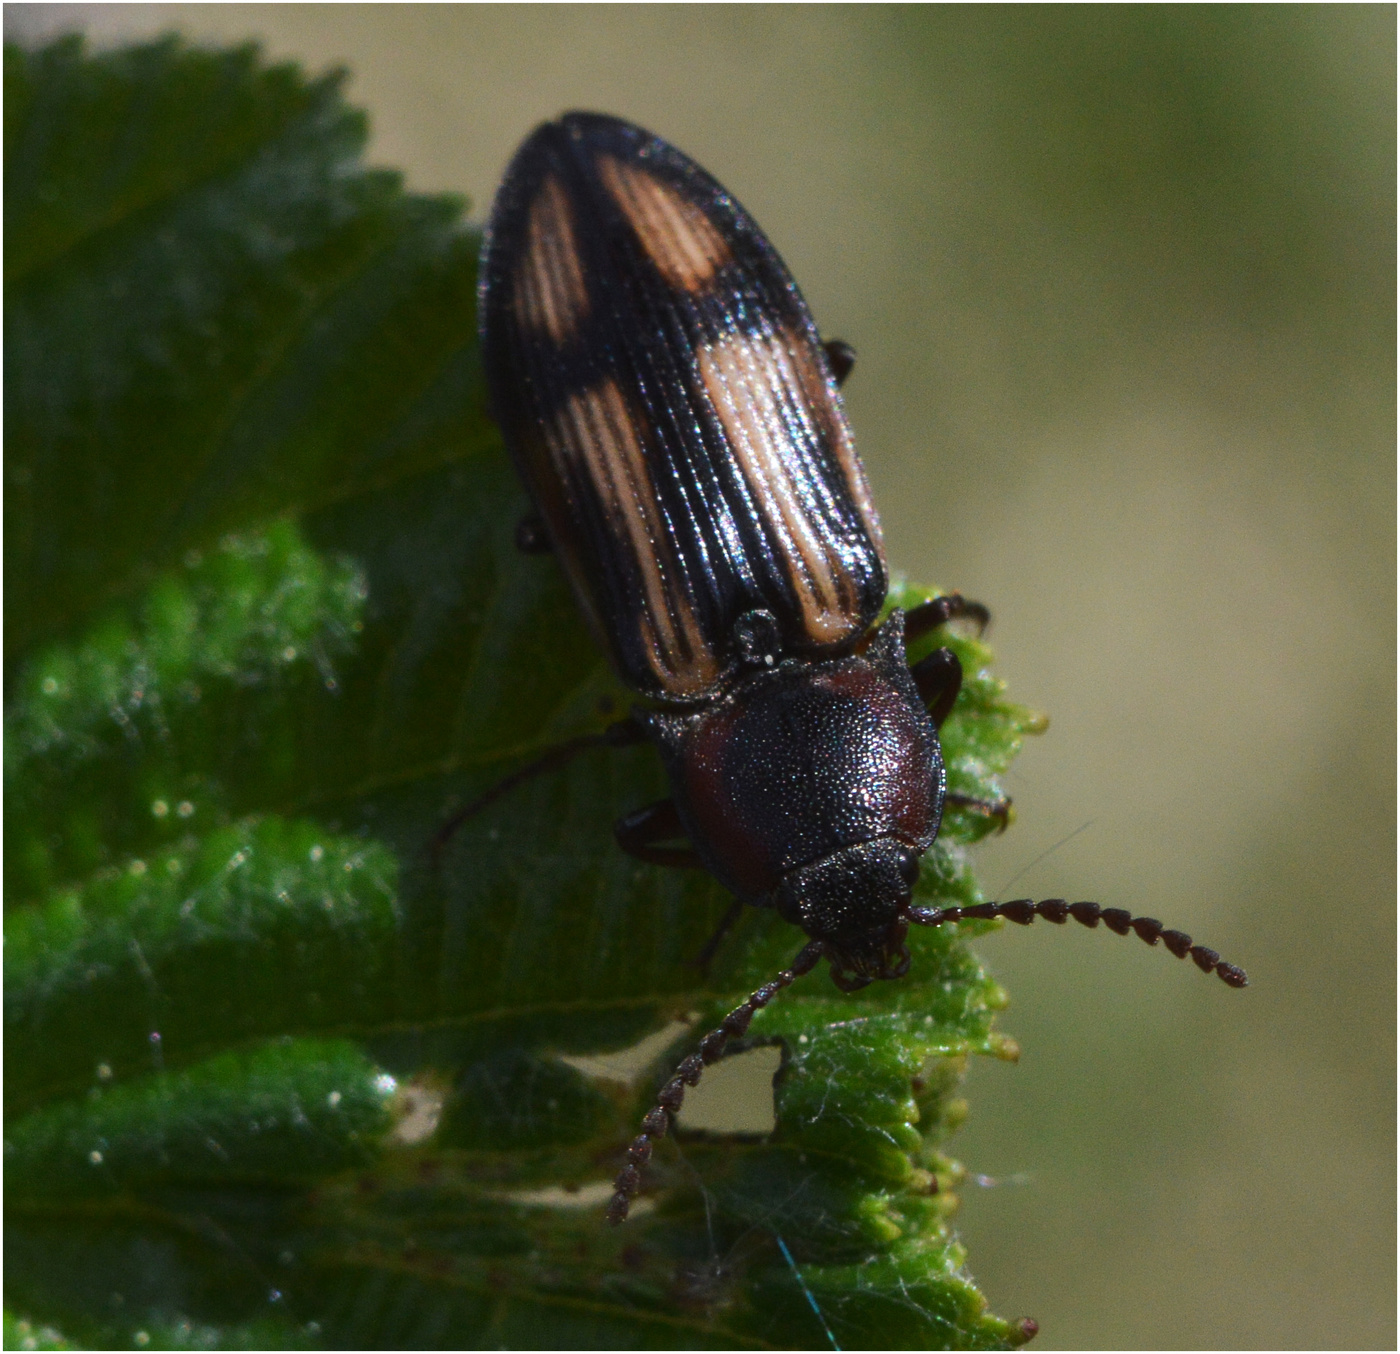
[802, 761]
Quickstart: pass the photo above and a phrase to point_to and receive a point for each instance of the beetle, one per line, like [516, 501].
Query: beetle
[676, 421]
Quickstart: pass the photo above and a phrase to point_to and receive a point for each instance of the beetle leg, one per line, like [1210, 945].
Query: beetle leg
[840, 357]
[939, 678]
[1000, 809]
[726, 925]
[640, 831]
[919, 620]
[621, 733]
[531, 537]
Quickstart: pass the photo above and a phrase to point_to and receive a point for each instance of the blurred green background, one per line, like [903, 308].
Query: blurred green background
[1122, 284]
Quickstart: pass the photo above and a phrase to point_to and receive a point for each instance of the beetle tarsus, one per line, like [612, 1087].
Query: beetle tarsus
[711, 947]
[939, 678]
[952, 606]
[998, 809]
[643, 832]
[841, 358]
[1023, 911]
[688, 1073]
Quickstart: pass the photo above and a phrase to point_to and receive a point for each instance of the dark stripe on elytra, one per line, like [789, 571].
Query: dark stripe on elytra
[644, 333]
[570, 369]
[681, 392]
[753, 281]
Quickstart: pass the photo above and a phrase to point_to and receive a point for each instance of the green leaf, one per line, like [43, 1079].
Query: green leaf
[288, 1111]
[262, 928]
[264, 612]
[22, 1334]
[289, 1062]
[200, 282]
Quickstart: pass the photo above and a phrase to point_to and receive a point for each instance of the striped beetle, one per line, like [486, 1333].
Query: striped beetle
[676, 421]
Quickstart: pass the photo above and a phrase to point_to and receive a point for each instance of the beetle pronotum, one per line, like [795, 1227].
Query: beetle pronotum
[675, 419]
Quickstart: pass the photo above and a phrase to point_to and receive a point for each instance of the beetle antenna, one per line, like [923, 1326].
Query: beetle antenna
[1023, 911]
[668, 1101]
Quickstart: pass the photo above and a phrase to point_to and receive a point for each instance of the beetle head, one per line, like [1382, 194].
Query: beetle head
[856, 902]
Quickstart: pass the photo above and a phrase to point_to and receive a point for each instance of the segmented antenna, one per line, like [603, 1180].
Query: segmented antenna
[1023, 911]
[668, 1102]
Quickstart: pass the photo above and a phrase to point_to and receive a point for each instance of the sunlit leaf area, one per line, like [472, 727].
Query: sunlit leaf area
[286, 1065]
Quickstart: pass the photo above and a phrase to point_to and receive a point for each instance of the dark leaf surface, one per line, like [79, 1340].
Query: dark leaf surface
[284, 1069]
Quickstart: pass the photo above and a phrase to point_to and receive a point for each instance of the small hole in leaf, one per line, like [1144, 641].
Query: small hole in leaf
[735, 1095]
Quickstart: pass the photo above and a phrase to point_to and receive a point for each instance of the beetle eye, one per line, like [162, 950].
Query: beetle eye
[909, 867]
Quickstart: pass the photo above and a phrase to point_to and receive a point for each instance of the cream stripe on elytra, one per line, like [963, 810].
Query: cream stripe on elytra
[819, 397]
[595, 427]
[678, 237]
[553, 297]
[756, 393]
